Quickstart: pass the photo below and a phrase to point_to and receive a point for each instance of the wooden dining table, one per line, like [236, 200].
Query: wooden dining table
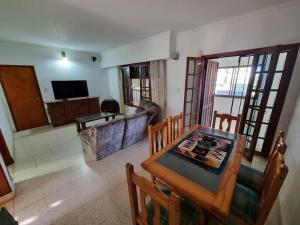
[207, 188]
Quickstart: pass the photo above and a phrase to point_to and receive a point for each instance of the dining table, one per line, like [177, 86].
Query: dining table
[201, 166]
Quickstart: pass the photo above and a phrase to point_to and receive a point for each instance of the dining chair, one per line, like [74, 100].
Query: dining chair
[175, 127]
[253, 178]
[156, 207]
[249, 207]
[158, 136]
[224, 117]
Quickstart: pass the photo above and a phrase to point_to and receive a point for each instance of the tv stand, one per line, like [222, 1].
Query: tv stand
[65, 111]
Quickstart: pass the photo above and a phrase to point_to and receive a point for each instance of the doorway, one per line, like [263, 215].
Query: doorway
[23, 96]
[256, 89]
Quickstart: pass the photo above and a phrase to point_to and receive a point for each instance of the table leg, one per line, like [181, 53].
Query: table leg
[78, 127]
[83, 125]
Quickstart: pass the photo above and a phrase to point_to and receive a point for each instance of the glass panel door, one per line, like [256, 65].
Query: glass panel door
[255, 103]
[265, 97]
[192, 91]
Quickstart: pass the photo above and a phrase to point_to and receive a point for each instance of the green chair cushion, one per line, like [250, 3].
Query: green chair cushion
[188, 213]
[245, 203]
[251, 178]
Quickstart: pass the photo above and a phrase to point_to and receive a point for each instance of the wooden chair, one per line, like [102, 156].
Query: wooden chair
[253, 178]
[158, 136]
[163, 207]
[226, 117]
[175, 127]
[279, 145]
[249, 207]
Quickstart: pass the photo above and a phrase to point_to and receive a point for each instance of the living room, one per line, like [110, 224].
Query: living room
[52, 164]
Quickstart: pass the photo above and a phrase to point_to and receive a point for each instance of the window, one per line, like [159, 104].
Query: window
[136, 83]
[232, 81]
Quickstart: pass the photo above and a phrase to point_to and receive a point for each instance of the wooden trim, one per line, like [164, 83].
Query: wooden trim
[39, 93]
[6, 198]
[146, 63]
[203, 69]
[4, 184]
[251, 51]
[185, 90]
[4, 151]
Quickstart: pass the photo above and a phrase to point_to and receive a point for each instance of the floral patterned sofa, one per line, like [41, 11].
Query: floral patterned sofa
[107, 138]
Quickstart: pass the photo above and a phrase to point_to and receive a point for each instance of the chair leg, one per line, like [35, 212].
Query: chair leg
[202, 217]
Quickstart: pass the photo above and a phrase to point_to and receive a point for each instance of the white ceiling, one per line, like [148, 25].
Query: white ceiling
[97, 25]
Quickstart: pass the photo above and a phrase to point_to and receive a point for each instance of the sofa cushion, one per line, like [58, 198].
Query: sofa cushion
[135, 129]
[109, 137]
[139, 110]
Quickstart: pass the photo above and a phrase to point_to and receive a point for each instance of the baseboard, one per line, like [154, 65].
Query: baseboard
[6, 198]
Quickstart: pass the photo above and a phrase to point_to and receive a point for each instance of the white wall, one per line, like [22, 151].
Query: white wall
[113, 83]
[152, 48]
[48, 66]
[289, 198]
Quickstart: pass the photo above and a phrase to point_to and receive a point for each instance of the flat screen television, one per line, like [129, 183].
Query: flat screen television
[70, 89]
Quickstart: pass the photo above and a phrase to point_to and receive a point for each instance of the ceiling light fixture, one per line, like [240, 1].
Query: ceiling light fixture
[64, 57]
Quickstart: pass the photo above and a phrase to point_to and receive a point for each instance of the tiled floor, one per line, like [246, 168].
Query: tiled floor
[55, 186]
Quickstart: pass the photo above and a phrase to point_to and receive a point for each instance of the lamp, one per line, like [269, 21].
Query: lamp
[64, 57]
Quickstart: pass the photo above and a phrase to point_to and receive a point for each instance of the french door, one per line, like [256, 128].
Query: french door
[192, 91]
[268, 85]
[271, 70]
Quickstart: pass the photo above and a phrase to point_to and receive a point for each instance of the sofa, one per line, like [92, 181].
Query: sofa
[152, 110]
[107, 138]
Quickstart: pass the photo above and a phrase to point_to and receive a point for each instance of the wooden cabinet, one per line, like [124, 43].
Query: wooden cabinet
[66, 111]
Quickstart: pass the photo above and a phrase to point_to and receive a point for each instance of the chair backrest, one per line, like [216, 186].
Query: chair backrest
[279, 145]
[159, 199]
[226, 117]
[158, 136]
[272, 183]
[175, 127]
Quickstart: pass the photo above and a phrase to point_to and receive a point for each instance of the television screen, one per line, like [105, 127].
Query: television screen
[70, 89]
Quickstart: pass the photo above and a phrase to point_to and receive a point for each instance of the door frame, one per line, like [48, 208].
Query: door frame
[278, 101]
[8, 102]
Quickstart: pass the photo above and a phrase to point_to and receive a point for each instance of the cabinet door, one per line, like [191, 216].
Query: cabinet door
[71, 111]
[94, 106]
[83, 108]
[57, 115]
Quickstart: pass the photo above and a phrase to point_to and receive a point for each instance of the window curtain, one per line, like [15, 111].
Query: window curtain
[209, 93]
[157, 79]
[121, 93]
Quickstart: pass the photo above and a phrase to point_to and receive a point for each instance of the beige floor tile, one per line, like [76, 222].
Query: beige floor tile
[36, 214]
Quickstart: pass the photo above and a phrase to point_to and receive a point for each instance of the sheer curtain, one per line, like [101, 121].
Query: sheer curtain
[157, 79]
[121, 93]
